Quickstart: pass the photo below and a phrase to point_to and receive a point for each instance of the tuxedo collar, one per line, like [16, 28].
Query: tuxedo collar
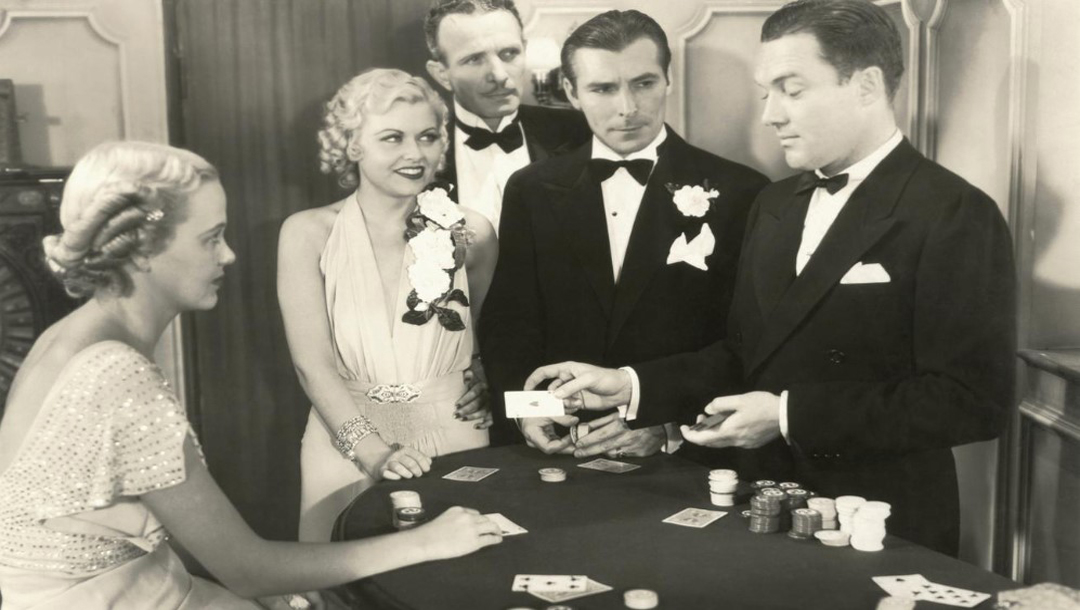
[470, 119]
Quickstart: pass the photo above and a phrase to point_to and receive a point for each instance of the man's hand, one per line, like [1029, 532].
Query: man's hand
[584, 386]
[744, 420]
[540, 433]
[610, 435]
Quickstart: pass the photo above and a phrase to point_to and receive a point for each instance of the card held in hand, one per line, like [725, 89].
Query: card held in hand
[533, 404]
[506, 526]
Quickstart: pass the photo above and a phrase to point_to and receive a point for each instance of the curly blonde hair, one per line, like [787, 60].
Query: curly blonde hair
[120, 201]
[372, 92]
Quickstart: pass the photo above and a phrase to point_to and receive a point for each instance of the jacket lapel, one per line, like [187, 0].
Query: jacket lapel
[533, 134]
[448, 173]
[777, 236]
[581, 211]
[655, 228]
[865, 219]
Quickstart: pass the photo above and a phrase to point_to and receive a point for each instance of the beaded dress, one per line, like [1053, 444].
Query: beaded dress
[73, 531]
[375, 350]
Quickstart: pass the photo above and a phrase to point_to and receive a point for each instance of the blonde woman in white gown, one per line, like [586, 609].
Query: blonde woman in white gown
[98, 464]
[378, 292]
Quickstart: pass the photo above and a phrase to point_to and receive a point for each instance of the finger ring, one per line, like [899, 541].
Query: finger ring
[298, 602]
[619, 453]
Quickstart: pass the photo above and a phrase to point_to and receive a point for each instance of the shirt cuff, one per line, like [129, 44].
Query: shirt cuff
[783, 416]
[630, 414]
[674, 438]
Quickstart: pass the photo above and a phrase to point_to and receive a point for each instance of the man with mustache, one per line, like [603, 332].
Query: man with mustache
[478, 54]
[621, 251]
[874, 312]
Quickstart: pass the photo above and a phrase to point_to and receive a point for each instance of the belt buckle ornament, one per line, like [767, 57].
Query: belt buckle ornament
[393, 392]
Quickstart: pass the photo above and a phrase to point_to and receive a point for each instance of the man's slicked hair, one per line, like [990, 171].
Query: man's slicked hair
[853, 34]
[614, 31]
[444, 8]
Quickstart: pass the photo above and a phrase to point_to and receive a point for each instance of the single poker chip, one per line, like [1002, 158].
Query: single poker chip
[788, 485]
[832, 537]
[746, 513]
[552, 475]
[772, 491]
[641, 599]
[762, 484]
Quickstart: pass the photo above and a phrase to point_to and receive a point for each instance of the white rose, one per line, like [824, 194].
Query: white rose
[694, 200]
[429, 281]
[435, 247]
[437, 205]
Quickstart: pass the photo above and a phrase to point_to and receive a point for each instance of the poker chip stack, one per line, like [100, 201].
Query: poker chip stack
[722, 486]
[868, 526]
[641, 599]
[827, 508]
[845, 511]
[765, 509]
[804, 522]
[794, 499]
[403, 499]
[552, 475]
[410, 517]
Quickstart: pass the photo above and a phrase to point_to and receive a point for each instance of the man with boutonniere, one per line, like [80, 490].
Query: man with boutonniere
[621, 251]
[875, 311]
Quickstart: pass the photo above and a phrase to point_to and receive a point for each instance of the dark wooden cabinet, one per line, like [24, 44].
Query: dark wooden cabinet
[30, 298]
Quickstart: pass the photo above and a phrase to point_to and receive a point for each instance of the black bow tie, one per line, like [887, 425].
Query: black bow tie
[604, 169]
[810, 181]
[509, 139]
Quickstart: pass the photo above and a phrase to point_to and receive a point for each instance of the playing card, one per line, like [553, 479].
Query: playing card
[902, 585]
[508, 527]
[470, 474]
[606, 465]
[694, 517]
[533, 404]
[591, 588]
[547, 583]
[951, 596]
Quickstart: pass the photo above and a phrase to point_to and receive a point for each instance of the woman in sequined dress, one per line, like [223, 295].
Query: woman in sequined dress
[98, 464]
[354, 296]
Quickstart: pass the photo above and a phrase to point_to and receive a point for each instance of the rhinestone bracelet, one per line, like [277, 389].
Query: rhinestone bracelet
[351, 433]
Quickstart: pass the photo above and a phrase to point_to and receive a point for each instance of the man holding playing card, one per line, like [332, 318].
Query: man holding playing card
[621, 251]
[874, 311]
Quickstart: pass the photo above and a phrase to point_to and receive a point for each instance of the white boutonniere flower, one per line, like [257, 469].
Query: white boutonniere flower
[694, 200]
[437, 206]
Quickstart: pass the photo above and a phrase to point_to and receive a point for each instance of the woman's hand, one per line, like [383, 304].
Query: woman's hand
[475, 403]
[403, 463]
[458, 531]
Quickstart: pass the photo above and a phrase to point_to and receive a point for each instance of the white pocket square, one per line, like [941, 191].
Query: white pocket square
[694, 252]
[866, 274]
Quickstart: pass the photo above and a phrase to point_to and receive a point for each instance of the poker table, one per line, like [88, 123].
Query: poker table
[609, 527]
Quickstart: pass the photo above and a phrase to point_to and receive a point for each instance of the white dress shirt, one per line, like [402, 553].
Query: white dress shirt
[622, 197]
[823, 210]
[482, 174]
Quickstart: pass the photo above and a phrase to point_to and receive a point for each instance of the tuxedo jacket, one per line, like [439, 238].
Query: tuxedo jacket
[554, 297]
[548, 132]
[883, 378]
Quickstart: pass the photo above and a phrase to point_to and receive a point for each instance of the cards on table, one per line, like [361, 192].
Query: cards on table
[557, 588]
[606, 465]
[508, 527]
[533, 404]
[694, 517]
[470, 474]
[917, 587]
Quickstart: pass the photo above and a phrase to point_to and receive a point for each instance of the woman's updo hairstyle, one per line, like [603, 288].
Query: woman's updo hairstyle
[372, 92]
[121, 200]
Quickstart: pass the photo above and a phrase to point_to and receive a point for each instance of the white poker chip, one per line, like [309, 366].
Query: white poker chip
[832, 537]
[849, 503]
[722, 487]
[722, 499]
[404, 499]
[641, 599]
[722, 474]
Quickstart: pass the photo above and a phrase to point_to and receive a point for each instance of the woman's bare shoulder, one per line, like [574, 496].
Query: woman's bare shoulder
[311, 226]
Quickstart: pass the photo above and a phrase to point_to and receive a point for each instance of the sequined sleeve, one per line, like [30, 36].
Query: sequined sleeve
[125, 430]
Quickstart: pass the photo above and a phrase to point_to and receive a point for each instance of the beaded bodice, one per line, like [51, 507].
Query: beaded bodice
[109, 430]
